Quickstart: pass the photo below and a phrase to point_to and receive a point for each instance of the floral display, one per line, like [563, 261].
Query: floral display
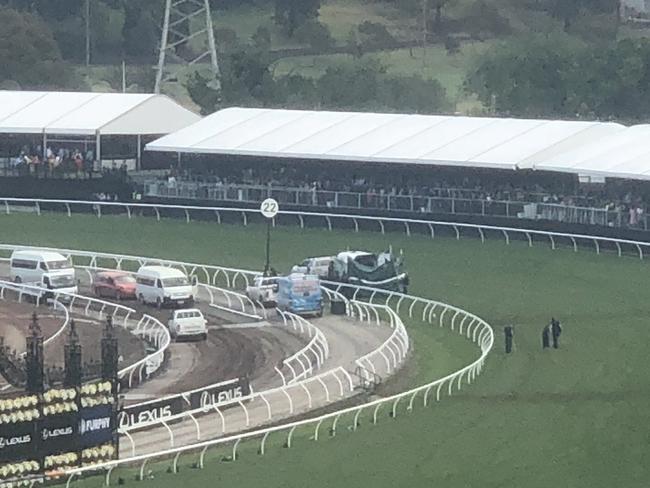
[18, 469]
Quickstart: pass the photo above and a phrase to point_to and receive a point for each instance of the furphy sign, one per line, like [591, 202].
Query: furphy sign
[150, 411]
[96, 425]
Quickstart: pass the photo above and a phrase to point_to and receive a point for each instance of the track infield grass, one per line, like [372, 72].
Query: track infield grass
[574, 417]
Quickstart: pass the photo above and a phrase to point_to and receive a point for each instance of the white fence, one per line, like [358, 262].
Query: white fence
[431, 312]
[300, 394]
[147, 327]
[317, 350]
[392, 351]
[329, 221]
[36, 293]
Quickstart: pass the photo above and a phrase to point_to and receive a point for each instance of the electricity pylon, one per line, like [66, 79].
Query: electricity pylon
[177, 30]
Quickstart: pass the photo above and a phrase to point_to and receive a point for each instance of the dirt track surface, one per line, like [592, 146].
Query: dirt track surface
[17, 317]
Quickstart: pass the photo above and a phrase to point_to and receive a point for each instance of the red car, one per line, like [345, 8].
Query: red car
[114, 284]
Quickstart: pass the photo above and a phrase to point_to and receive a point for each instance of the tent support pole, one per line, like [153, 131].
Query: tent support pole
[138, 161]
[98, 147]
[44, 151]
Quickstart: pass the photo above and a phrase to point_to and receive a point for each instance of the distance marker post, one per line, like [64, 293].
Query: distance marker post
[269, 209]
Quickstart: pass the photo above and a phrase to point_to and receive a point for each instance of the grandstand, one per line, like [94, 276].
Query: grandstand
[576, 172]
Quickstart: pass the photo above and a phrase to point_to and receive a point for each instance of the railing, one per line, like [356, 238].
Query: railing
[316, 350]
[393, 350]
[465, 323]
[455, 202]
[327, 220]
[476, 330]
[274, 399]
[147, 327]
[36, 293]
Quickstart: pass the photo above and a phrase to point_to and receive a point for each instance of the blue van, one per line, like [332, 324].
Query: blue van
[300, 294]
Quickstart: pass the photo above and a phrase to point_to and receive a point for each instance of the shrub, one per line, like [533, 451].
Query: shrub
[316, 34]
[375, 35]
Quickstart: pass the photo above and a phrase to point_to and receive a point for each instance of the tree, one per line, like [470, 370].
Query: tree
[437, 6]
[202, 93]
[29, 54]
[292, 13]
[553, 78]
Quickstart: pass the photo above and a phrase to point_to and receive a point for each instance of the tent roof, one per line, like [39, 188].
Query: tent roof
[84, 113]
[384, 138]
[622, 154]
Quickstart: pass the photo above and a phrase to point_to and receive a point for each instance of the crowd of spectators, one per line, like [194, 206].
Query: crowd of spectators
[35, 161]
[458, 184]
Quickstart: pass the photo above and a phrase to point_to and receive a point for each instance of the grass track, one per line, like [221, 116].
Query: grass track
[574, 417]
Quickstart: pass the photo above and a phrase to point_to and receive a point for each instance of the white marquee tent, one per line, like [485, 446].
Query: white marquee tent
[90, 114]
[591, 148]
[78, 113]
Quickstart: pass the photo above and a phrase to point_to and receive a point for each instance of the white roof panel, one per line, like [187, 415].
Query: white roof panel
[96, 112]
[86, 113]
[329, 140]
[36, 116]
[13, 101]
[247, 131]
[576, 147]
[439, 134]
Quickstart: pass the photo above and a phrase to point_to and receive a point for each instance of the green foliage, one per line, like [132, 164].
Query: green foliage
[205, 96]
[366, 85]
[484, 19]
[140, 34]
[316, 34]
[226, 38]
[414, 94]
[262, 38]
[374, 35]
[543, 77]
[29, 54]
[292, 13]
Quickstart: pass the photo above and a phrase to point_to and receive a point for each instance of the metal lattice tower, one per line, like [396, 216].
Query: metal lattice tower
[178, 14]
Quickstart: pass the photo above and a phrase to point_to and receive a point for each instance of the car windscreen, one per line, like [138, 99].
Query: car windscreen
[124, 279]
[179, 281]
[62, 281]
[60, 264]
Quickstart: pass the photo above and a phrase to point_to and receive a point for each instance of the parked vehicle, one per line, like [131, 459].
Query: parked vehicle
[46, 269]
[114, 284]
[317, 266]
[264, 289]
[300, 294]
[188, 322]
[164, 286]
[376, 270]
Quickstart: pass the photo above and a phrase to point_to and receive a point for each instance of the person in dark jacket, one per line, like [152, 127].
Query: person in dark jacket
[546, 336]
[508, 331]
[556, 331]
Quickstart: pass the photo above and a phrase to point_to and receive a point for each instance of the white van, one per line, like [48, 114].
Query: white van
[318, 266]
[164, 286]
[188, 322]
[46, 269]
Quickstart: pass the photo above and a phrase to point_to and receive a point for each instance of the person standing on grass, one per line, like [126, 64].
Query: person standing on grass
[508, 331]
[556, 330]
[546, 336]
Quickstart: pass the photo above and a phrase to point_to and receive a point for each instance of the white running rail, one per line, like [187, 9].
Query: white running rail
[21, 290]
[317, 349]
[432, 312]
[324, 218]
[147, 327]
